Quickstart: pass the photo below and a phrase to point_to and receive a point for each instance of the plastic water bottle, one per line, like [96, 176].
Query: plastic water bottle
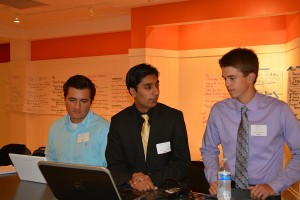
[224, 181]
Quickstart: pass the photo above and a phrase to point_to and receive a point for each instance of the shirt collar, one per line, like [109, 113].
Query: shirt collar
[139, 115]
[252, 105]
[84, 122]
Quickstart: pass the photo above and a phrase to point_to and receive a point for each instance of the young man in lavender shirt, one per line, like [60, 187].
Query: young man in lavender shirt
[271, 125]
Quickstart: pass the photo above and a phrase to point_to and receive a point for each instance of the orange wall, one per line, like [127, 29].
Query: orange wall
[214, 34]
[218, 34]
[163, 37]
[293, 28]
[245, 32]
[81, 46]
[196, 11]
[180, 26]
[4, 53]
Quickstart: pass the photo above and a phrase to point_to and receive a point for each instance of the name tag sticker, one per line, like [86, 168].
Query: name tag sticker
[83, 137]
[163, 147]
[258, 130]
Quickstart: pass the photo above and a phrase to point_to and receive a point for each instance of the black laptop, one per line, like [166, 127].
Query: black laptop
[74, 181]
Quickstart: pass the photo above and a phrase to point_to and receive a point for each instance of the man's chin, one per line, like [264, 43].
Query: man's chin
[232, 95]
[77, 119]
[154, 104]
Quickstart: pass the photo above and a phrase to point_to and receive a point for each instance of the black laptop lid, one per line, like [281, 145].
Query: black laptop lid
[73, 181]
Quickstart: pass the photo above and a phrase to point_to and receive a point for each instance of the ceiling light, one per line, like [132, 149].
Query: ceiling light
[17, 18]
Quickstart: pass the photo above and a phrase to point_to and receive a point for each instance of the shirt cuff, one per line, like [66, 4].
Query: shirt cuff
[276, 186]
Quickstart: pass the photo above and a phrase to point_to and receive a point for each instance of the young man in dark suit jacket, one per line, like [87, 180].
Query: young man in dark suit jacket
[167, 153]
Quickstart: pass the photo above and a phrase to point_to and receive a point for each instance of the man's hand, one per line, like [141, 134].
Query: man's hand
[261, 191]
[142, 182]
[213, 188]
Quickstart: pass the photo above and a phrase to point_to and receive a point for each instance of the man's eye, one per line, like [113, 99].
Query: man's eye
[71, 100]
[147, 87]
[84, 101]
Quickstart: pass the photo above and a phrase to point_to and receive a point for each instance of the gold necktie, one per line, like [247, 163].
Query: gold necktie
[145, 133]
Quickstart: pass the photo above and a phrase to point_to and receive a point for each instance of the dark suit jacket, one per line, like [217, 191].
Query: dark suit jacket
[124, 152]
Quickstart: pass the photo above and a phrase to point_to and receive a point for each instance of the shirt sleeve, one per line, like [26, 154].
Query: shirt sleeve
[50, 149]
[291, 135]
[103, 144]
[209, 150]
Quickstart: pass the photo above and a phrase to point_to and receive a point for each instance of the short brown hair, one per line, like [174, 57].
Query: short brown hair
[243, 59]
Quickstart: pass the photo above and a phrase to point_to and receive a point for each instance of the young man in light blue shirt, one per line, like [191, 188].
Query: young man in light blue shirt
[79, 137]
[271, 124]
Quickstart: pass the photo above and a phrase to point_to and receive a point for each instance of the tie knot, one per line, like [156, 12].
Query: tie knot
[244, 109]
[145, 117]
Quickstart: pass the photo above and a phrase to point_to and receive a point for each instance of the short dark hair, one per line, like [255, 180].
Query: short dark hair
[136, 74]
[243, 59]
[80, 82]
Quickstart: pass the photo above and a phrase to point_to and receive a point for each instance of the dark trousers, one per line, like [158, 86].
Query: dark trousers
[277, 197]
[274, 197]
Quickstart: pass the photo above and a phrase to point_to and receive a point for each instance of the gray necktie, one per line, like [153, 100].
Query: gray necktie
[241, 165]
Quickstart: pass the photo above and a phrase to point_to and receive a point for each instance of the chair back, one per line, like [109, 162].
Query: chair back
[12, 148]
[197, 179]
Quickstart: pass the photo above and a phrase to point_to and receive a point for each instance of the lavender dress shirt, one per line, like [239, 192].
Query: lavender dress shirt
[272, 124]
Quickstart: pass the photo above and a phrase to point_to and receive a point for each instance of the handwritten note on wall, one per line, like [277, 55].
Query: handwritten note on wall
[270, 82]
[214, 91]
[44, 94]
[294, 91]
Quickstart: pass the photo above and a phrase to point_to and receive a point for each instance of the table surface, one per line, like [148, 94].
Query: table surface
[11, 187]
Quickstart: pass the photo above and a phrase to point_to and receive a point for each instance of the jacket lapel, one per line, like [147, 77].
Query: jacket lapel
[134, 130]
[156, 124]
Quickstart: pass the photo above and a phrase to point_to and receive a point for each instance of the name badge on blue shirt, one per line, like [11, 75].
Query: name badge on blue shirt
[258, 130]
[83, 137]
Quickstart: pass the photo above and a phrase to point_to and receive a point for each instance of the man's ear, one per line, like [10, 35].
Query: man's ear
[251, 77]
[132, 91]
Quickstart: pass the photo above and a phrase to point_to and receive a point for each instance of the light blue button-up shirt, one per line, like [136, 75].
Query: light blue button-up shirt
[265, 159]
[84, 145]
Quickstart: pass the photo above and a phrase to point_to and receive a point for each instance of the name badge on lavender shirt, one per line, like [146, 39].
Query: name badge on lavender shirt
[83, 137]
[258, 130]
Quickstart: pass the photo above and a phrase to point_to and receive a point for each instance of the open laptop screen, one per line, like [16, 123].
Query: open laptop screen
[74, 181]
[27, 167]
